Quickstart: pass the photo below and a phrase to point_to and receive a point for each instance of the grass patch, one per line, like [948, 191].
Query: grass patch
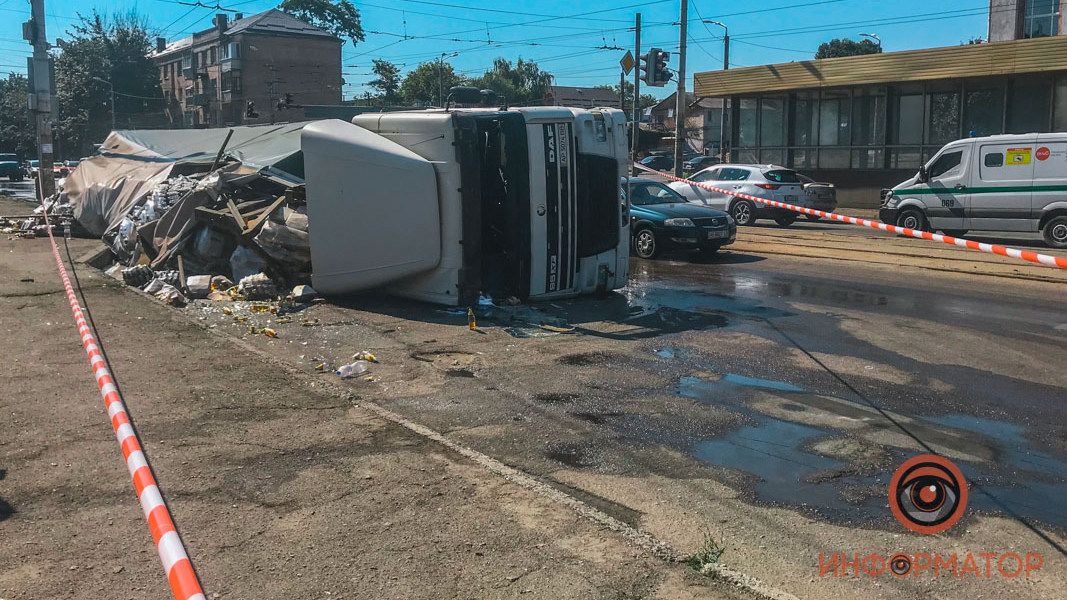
[709, 553]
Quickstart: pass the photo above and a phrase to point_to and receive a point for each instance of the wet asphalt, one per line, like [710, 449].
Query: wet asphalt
[947, 342]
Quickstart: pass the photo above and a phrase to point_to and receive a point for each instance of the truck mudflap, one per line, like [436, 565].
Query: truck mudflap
[372, 208]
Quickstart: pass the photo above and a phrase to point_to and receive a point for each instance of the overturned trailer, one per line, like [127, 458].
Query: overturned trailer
[437, 205]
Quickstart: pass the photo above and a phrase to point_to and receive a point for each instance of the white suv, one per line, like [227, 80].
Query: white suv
[764, 181]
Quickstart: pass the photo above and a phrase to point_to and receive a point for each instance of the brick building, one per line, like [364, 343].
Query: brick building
[209, 77]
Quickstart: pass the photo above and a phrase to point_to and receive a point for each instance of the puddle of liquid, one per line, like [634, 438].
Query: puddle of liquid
[700, 388]
[1037, 483]
[667, 352]
[773, 451]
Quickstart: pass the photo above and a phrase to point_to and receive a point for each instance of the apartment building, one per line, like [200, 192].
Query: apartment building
[209, 78]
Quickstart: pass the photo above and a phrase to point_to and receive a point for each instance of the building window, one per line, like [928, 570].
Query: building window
[1042, 18]
[1059, 112]
[943, 109]
[231, 51]
[983, 112]
[187, 61]
[211, 56]
[834, 120]
[868, 117]
[772, 122]
[906, 119]
[806, 119]
[1029, 106]
[747, 122]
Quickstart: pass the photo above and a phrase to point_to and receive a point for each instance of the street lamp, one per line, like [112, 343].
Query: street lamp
[111, 87]
[725, 66]
[873, 36]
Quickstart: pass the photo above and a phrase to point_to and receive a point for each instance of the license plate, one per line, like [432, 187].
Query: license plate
[789, 198]
[715, 235]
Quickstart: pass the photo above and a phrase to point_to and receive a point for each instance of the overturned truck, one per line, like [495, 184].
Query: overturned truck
[437, 205]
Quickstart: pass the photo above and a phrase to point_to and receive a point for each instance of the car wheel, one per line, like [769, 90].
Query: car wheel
[954, 232]
[785, 220]
[744, 212]
[912, 218]
[1055, 232]
[813, 217]
[645, 245]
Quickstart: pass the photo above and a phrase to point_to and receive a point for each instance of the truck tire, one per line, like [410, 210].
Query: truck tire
[913, 218]
[744, 212]
[645, 243]
[1055, 232]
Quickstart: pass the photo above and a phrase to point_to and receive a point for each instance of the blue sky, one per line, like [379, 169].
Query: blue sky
[564, 37]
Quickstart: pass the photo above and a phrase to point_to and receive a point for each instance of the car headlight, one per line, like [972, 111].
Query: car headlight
[730, 221]
[683, 222]
[892, 201]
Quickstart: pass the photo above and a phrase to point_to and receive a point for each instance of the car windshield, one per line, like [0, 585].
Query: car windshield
[651, 192]
[782, 176]
[8, 157]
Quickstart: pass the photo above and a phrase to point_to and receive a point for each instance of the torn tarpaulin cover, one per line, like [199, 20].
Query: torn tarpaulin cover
[104, 188]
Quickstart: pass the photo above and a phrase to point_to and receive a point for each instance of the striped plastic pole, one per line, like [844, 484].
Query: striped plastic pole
[1034, 257]
[180, 573]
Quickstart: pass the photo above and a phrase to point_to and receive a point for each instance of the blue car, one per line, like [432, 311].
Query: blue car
[661, 219]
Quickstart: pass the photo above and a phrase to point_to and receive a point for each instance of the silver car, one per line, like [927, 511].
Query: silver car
[763, 181]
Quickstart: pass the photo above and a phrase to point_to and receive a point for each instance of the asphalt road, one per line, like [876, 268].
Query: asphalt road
[763, 397]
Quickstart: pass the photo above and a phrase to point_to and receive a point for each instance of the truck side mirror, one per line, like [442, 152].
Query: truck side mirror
[924, 175]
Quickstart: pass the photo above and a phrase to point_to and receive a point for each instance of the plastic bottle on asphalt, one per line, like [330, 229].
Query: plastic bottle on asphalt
[351, 370]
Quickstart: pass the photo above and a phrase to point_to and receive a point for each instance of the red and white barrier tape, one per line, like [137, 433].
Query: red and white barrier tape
[180, 574]
[1034, 257]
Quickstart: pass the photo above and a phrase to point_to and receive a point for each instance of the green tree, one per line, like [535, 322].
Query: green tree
[340, 17]
[523, 83]
[839, 47]
[17, 132]
[113, 50]
[429, 82]
[388, 81]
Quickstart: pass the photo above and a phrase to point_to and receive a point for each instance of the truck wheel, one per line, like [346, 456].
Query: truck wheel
[785, 220]
[645, 245]
[744, 212]
[913, 218]
[1055, 232]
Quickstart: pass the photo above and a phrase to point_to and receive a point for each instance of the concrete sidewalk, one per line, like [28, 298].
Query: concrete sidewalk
[279, 490]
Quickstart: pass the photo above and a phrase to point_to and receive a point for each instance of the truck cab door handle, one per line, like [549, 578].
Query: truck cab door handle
[960, 186]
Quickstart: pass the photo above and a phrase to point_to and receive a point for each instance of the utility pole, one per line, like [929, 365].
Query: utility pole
[637, 92]
[679, 106]
[725, 67]
[40, 67]
[722, 111]
[622, 92]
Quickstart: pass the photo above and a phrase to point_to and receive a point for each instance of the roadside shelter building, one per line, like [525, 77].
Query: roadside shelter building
[868, 122]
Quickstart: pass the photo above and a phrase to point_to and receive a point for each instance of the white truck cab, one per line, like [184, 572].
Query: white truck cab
[994, 183]
[442, 205]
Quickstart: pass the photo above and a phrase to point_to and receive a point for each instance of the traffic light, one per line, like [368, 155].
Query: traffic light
[654, 68]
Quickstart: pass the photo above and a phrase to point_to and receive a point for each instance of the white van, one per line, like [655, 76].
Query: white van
[995, 183]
